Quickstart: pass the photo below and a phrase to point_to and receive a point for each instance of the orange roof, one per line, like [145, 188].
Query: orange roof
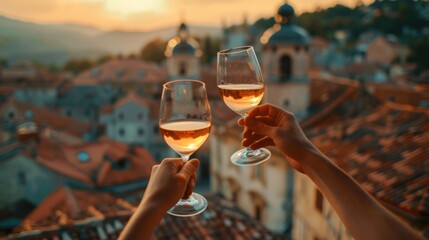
[130, 97]
[45, 117]
[66, 205]
[385, 151]
[122, 71]
[94, 163]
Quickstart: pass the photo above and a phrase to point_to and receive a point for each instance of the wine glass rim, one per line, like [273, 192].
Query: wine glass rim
[235, 50]
[165, 85]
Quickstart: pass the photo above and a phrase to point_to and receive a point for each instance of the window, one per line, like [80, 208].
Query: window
[11, 115]
[286, 103]
[121, 164]
[182, 69]
[259, 173]
[119, 73]
[87, 112]
[140, 131]
[22, 178]
[234, 196]
[258, 213]
[83, 156]
[121, 132]
[319, 201]
[95, 72]
[285, 68]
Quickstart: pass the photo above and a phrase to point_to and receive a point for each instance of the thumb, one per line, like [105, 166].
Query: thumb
[189, 168]
[259, 127]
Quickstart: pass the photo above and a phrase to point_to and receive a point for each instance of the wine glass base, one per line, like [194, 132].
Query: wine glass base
[244, 158]
[192, 206]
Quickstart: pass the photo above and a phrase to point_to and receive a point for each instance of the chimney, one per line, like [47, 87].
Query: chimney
[27, 131]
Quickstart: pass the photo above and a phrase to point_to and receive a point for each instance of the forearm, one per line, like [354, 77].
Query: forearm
[363, 216]
[143, 222]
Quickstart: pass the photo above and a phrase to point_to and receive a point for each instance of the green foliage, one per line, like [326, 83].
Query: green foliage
[210, 47]
[77, 65]
[420, 53]
[154, 50]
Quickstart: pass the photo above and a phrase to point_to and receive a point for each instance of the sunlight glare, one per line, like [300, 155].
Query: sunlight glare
[135, 6]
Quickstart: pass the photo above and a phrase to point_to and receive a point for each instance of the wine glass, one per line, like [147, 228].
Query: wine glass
[241, 86]
[185, 123]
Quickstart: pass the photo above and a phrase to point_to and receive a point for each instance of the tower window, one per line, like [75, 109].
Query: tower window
[121, 132]
[285, 68]
[182, 69]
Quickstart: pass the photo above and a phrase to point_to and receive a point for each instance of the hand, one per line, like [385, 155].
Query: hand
[267, 125]
[169, 181]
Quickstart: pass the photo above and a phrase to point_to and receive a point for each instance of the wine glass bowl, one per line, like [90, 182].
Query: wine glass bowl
[185, 123]
[241, 86]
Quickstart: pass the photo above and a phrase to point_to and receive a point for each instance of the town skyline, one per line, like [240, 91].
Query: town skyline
[147, 15]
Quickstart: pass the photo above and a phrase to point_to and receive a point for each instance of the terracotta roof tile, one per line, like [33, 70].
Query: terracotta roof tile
[221, 220]
[103, 163]
[45, 117]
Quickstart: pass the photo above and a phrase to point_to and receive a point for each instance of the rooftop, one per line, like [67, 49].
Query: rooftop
[45, 117]
[84, 215]
[100, 163]
[119, 71]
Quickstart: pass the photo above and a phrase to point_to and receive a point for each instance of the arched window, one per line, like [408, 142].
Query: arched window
[285, 68]
[182, 69]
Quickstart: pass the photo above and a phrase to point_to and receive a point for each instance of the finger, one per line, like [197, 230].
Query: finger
[240, 122]
[247, 133]
[154, 169]
[259, 127]
[252, 139]
[190, 187]
[265, 142]
[267, 120]
[189, 168]
[175, 164]
[265, 110]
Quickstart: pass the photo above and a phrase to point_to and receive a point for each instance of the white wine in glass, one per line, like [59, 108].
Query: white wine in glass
[185, 123]
[241, 86]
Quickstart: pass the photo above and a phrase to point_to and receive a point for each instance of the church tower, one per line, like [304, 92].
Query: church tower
[285, 63]
[183, 56]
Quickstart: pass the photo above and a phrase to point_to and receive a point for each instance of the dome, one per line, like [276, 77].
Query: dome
[183, 44]
[184, 47]
[285, 31]
[286, 10]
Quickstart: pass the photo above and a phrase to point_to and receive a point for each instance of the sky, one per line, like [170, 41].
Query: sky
[141, 15]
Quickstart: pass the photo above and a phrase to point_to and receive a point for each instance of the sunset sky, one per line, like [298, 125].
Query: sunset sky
[152, 14]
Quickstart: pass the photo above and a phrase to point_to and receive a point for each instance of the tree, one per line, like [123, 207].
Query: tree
[77, 65]
[154, 50]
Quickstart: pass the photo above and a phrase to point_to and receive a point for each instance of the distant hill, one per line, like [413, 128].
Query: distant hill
[56, 43]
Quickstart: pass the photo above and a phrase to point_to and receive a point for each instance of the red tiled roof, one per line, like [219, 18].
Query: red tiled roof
[44, 117]
[130, 97]
[130, 70]
[386, 152]
[221, 220]
[102, 156]
[334, 100]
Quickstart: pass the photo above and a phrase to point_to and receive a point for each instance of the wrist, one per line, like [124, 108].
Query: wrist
[152, 205]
